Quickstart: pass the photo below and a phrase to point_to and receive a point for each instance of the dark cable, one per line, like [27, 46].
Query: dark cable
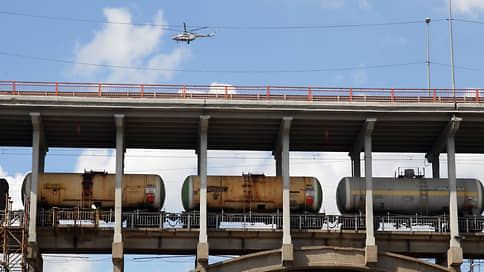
[210, 71]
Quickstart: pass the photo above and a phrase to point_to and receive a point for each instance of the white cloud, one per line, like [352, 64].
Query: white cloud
[469, 7]
[67, 263]
[128, 45]
[219, 88]
[15, 185]
[214, 88]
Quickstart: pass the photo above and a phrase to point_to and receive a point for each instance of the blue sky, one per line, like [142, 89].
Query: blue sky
[43, 41]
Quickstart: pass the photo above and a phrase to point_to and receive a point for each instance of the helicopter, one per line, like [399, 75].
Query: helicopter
[188, 36]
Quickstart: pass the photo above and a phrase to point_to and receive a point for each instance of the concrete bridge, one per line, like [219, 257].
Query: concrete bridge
[43, 116]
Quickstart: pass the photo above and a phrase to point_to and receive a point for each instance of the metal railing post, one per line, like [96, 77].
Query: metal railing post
[216, 222]
[356, 223]
[161, 221]
[226, 92]
[309, 94]
[189, 222]
[184, 91]
[142, 90]
[435, 95]
[268, 96]
[300, 222]
[56, 88]
[13, 87]
[272, 226]
[393, 95]
[477, 95]
[99, 89]
[351, 94]
[439, 227]
[53, 218]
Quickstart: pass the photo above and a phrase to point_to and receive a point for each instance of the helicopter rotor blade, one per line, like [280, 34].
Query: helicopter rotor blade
[199, 28]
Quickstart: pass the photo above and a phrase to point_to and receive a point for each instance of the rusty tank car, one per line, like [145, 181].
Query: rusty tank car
[72, 190]
[409, 196]
[255, 193]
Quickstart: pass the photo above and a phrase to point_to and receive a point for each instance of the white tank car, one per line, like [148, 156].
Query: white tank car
[410, 196]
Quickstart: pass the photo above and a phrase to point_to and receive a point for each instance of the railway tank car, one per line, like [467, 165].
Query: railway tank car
[409, 196]
[69, 190]
[3, 193]
[255, 193]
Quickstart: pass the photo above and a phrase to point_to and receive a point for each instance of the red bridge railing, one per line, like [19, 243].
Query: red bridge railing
[396, 95]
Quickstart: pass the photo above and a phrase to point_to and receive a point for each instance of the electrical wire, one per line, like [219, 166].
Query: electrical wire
[379, 66]
[252, 28]
[459, 67]
[468, 21]
[81, 20]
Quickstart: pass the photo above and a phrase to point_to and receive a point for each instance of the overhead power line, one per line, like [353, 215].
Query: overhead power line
[178, 27]
[459, 67]
[469, 21]
[81, 20]
[295, 27]
[378, 66]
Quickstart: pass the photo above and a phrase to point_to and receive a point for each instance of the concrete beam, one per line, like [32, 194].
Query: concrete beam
[202, 247]
[39, 148]
[446, 140]
[277, 149]
[366, 130]
[364, 140]
[355, 165]
[281, 151]
[117, 246]
[441, 142]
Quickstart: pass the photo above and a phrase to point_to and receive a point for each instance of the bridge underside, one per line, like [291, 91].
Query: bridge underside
[240, 242]
[323, 258]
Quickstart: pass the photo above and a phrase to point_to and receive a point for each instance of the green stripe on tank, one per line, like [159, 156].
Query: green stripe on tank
[185, 192]
[320, 199]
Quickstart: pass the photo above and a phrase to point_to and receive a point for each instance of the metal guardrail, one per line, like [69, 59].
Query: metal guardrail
[333, 94]
[246, 221]
[15, 218]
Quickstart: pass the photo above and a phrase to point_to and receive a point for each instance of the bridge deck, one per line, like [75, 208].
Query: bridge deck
[237, 125]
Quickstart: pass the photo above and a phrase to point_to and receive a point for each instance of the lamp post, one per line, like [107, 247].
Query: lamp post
[427, 20]
[451, 49]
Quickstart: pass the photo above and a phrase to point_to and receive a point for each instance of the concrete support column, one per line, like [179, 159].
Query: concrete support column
[355, 165]
[364, 141]
[281, 153]
[202, 247]
[117, 247]
[454, 254]
[435, 160]
[371, 250]
[278, 159]
[436, 166]
[39, 148]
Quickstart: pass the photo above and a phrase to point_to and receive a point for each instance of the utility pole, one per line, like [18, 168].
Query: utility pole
[451, 48]
[427, 20]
